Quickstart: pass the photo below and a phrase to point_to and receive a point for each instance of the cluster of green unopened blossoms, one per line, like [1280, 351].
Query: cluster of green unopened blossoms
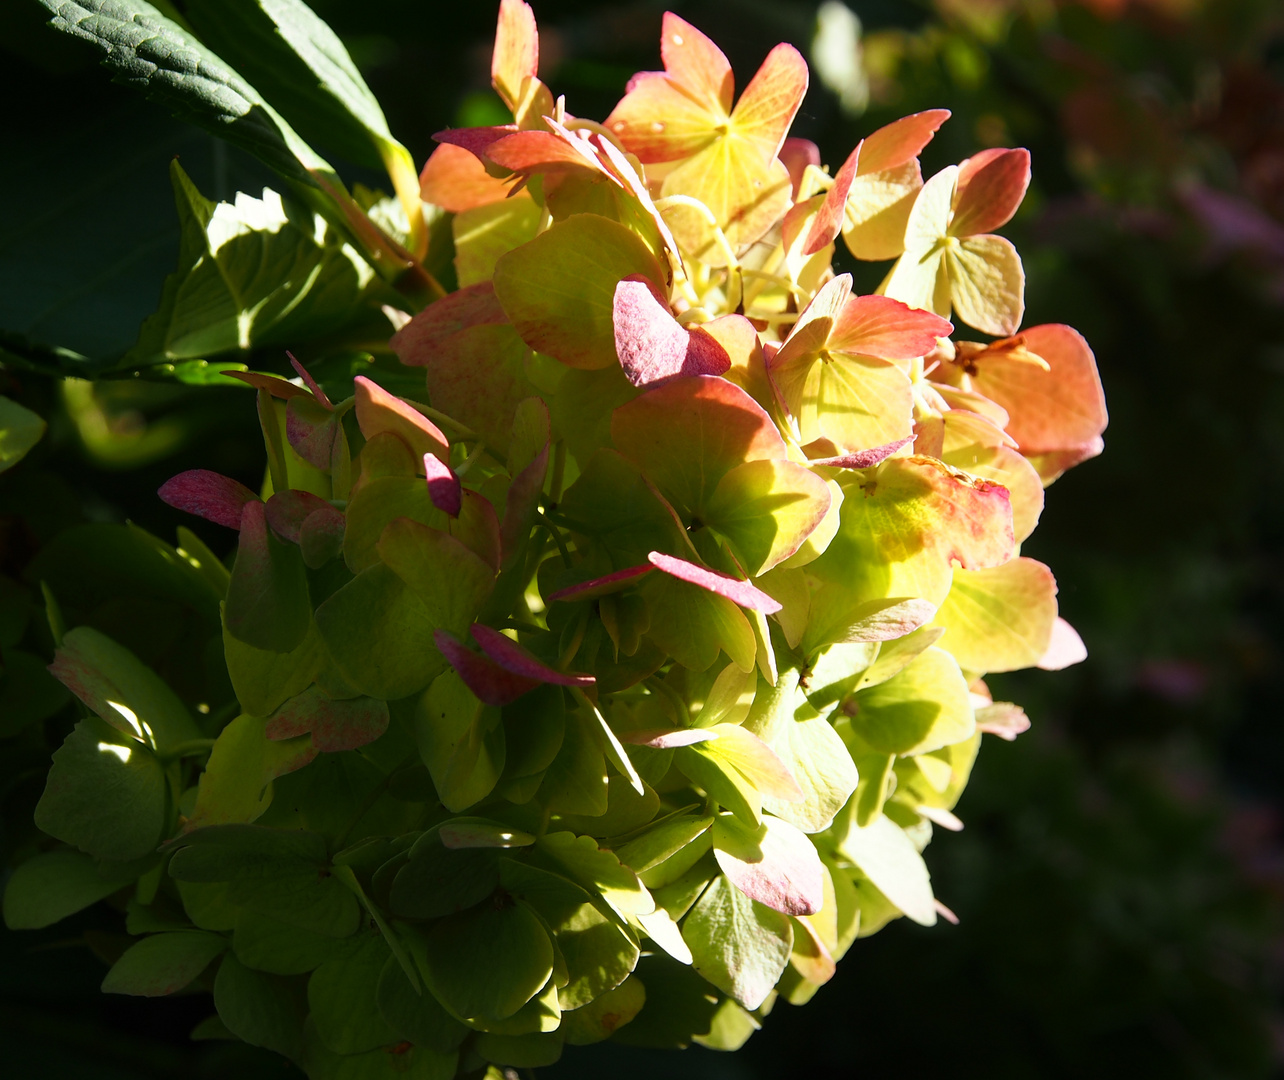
[652, 636]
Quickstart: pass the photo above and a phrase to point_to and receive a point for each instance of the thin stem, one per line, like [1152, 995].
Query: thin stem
[556, 534]
[471, 459]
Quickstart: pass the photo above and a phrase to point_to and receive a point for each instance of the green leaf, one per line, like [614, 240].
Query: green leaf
[304, 70]
[885, 855]
[923, 707]
[263, 1010]
[614, 505]
[693, 625]
[379, 634]
[688, 434]
[20, 430]
[172, 67]
[819, 761]
[342, 996]
[531, 1051]
[105, 795]
[277, 947]
[252, 274]
[766, 509]
[236, 784]
[576, 781]
[558, 290]
[999, 619]
[605, 1014]
[599, 956]
[488, 962]
[485, 233]
[416, 1017]
[440, 881]
[599, 871]
[265, 680]
[738, 944]
[283, 874]
[163, 963]
[460, 740]
[679, 1005]
[121, 690]
[55, 884]
[450, 579]
[267, 598]
[374, 505]
[662, 842]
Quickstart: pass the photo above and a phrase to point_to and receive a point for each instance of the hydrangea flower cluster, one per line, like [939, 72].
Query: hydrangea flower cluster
[653, 637]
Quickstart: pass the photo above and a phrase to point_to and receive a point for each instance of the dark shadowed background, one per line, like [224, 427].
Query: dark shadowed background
[1120, 880]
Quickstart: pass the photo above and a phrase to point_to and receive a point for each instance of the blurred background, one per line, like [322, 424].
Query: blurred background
[1120, 881]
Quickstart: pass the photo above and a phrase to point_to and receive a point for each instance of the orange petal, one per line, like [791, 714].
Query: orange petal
[991, 186]
[901, 141]
[516, 55]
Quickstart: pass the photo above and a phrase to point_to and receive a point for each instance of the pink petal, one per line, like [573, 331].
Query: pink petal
[670, 737]
[377, 410]
[312, 384]
[778, 867]
[417, 342]
[1064, 649]
[277, 387]
[335, 725]
[610, 583]
[864, 459]
[882, 327]
[485, 678]
[444, 487]
[216, 498]
[991, 186]
[288, 510]
[829, 219]
[513, 658]
[321, 536]
[738, 592]
[311, 430]
[796, 155]
[476, 140]
[652, 346]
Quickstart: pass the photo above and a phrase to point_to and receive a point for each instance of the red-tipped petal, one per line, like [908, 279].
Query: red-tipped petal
[444, 487]
[602, 586]
[864, 459]
[829, 219]
[210, 495]
[505, 652]
[991, 186]
[273, 384]
[476, 140]
[900, 141]
[796, 155]
[886, 328]
[377, 411]
[738, 592]
[492, 684]
[652, 346]
[312, 384]
[288, 510]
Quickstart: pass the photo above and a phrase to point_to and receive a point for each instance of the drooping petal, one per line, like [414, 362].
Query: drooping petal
[829, 219]
[513, 658]
[489, 682]
[739, 592]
